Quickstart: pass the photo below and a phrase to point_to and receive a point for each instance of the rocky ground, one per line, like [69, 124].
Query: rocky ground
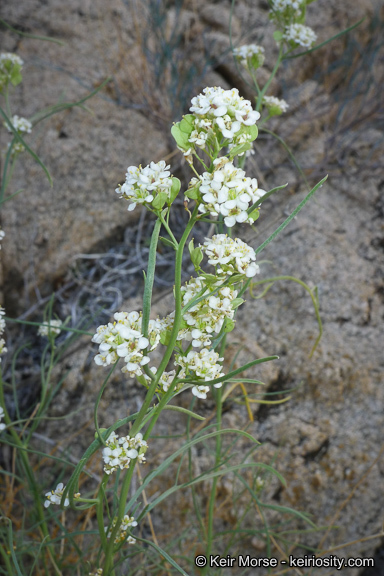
[327, 441]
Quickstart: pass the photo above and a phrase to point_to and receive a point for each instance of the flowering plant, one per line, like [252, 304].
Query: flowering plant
[214, 137]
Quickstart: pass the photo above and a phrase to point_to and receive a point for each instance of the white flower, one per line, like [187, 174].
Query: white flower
[126, 523]
[119, 452]
[124, 339]
[222, 110]
[21, 125]
[275, 106]
[50, 328]
[250, 54]
[2, 235]
[142, 185]
[2, 425]
[97, 572]
[200, 365]
[230, 256]
[300, 35]
[54, 497]
[229, 192]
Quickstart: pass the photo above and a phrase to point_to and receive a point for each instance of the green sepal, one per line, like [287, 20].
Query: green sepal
[175, 189]
[160, 200]
[278, 36]
[229, 325]
[236, 303]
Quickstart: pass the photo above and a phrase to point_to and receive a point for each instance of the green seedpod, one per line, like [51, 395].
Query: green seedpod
[165, 337]
[101, 431]
[236, 303]
[175, 189]
[180, 137]
[254, 214]
[229, 325]
[187, 124]
[278, 36]
[196, 256]
[193, 193]
[160, 200]
[209, 278]
[235, 278]
[252, 131]
[16, 76]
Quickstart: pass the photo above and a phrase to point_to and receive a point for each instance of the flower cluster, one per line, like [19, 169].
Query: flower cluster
[165, 381]
[97, 572]
[54, 496]
[3, 348]
[250, 55]
[22, 126]
[126, 523]
[124, 339]
[202, 364]
[223, 112]
[52, 328]
[119, 452]
[207, 316]
[2, 425]
[144, 185]
[230, 256]
[229, 192]
[300, 35]
[287, 9]
[10, 69]
[275, 106]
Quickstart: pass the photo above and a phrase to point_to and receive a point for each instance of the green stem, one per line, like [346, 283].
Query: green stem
[99, 513]
[212, 500]
[175, 330]
[267, 84]
[108, 562]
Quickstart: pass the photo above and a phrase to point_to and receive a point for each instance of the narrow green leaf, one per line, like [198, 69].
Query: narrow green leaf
[34, 36]
[287, 221]
[184, 411]
[326, 41]
[147, 297]
[164, 554]
[20, 139]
